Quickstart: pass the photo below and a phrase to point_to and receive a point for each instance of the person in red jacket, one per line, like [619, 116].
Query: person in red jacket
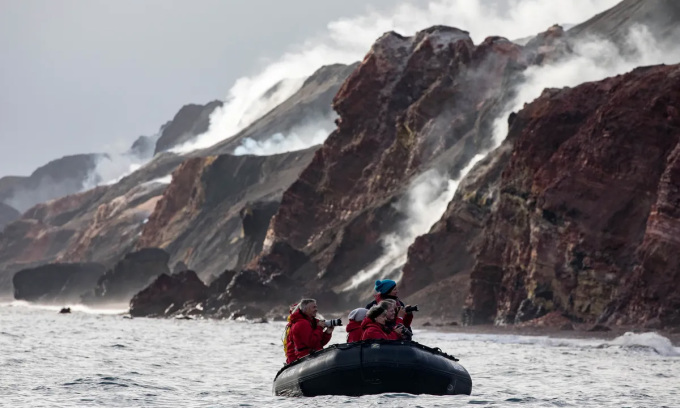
[374, 326]
[395, 314]
[353, 328]
[387, 289]
[304, 332]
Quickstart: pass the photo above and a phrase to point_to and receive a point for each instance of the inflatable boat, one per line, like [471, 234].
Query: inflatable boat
[374, 367]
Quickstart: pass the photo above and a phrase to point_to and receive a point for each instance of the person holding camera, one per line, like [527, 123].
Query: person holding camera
[375, 328]
[304, 332]
[386, 289]
[395, 317]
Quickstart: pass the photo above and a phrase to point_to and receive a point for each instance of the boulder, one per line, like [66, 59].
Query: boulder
[168, 294]
[130, 275]
[56, 283]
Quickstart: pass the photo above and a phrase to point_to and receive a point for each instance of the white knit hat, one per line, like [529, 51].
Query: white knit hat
[358, 314]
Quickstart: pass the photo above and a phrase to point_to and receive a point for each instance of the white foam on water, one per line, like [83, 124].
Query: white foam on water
[108, 309]
[651, 341]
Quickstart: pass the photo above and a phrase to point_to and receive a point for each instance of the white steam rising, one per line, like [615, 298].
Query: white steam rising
[161, 180]
[593, 60]
[248, 100]
[423, 205]
[348, 40]
[111, 168]
[300, 137]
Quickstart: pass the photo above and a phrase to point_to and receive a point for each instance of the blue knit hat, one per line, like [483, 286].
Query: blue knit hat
[384, 286]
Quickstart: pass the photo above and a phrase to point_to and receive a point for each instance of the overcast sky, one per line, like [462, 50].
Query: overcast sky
[82, 76]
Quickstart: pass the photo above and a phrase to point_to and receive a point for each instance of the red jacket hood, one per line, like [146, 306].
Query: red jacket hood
[369, 322]
[353, 325]
[298, 315]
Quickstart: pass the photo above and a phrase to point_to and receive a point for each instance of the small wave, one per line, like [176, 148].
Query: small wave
[398, 395]
[650, 342]
[544, 341]
[647, 341]
[110, 309]
[107, 380]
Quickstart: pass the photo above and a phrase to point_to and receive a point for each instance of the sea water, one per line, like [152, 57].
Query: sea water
[100, 358]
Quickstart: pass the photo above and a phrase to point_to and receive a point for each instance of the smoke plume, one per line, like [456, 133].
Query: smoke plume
[298, 138]
[422, 206]
[348, 40]
[593, 59]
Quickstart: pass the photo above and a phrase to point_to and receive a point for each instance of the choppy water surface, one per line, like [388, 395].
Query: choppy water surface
[94, 359]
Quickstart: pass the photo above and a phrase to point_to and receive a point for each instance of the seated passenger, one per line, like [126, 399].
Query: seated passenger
[354, 331]
[374, 326]
[387, 289]
[395, 317]
[304, 333]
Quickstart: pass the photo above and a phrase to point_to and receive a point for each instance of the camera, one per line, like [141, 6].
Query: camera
[406, 333]
[333, 322]
[409, 309]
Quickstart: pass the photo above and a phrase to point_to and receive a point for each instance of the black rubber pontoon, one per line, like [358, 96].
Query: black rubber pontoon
[374, 367]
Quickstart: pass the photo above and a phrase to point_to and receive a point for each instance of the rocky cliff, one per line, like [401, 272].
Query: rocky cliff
[572, 217]
[238, 196]
[413, 103]
[585, 210]
[215, 213]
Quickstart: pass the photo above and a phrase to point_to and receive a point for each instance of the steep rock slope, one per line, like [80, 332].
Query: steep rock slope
[103, 224]
[439, 263]
[413, 103]
[437, 272]
[588, 167]
[217, 207]
[660, 17]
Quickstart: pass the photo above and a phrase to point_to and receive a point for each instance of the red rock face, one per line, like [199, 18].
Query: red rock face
[411, 100]
[652, 297]
[184, 194]
[449, 249]
[590, 181]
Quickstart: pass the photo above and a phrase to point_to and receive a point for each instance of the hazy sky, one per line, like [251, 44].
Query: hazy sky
[82, 76]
